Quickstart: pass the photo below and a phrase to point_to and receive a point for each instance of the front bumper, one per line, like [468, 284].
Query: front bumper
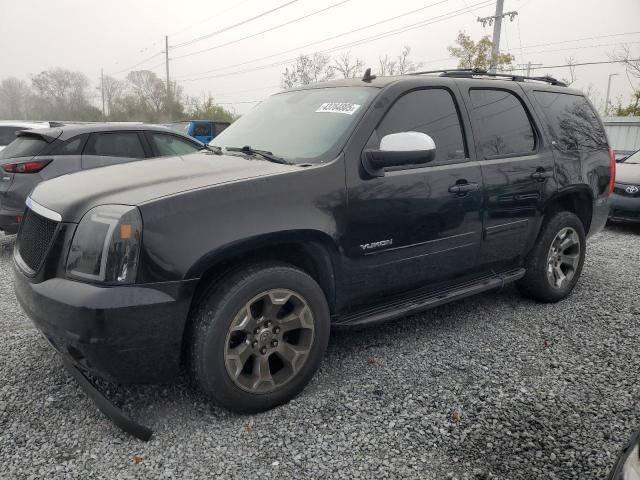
[124, 334]
[624, 208]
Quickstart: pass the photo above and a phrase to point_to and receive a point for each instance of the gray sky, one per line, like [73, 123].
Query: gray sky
[86, 35]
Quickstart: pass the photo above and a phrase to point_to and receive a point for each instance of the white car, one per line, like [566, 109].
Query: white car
[8, 129]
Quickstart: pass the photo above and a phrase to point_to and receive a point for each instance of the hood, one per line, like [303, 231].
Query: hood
[138, 182]
[628, 173]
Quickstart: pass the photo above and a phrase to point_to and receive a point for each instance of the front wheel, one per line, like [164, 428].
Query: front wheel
[555, 263]
[258, 337]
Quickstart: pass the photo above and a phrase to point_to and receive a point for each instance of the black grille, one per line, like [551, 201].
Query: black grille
[622, 190]
[36, 234]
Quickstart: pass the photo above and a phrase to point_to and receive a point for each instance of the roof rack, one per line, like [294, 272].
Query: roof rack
[478, 72]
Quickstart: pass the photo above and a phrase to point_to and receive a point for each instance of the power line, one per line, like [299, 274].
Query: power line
[549, 66]
[138, 64]
[581, 39]
[346, 45]
[577, 48]
[261, 32]
[217, 15]
[226, 29]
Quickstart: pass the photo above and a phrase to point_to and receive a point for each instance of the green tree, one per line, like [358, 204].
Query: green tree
[205, 108]
[478, 54]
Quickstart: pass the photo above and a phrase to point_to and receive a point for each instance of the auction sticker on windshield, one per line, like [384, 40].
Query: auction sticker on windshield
[347, 108]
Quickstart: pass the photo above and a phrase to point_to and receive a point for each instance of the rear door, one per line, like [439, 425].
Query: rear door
[412, 227]
[112, 148]
[517, 169]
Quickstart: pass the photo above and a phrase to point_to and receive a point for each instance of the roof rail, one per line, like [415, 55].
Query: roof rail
[478, 72]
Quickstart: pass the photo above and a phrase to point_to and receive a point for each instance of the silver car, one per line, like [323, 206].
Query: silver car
[38, 155]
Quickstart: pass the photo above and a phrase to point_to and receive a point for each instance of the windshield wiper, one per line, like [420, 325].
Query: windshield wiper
[263, 153]
[212, 148]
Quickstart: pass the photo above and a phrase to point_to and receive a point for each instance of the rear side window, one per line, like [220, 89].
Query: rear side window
[168, 145]
[8, 134]
[70, 147]
[430, 111]
[571, 121]
[202, 130]
[503, 123]
[24, 146]
[116, 144]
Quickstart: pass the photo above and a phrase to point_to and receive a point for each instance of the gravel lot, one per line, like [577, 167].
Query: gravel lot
[491, 387]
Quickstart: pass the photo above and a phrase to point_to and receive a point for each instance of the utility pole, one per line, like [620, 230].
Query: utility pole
[528, 67]
[166, 60]
[104, 117]
[606, 103]
[496, 21]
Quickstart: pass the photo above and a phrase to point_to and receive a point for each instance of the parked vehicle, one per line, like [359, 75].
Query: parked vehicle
[625, 201]
[202, 130]
[37, 155]
[9, 128]
[343, 203]
[627, 466]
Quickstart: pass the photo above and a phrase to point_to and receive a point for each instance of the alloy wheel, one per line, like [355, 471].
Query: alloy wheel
[269, 341]
[563, 258]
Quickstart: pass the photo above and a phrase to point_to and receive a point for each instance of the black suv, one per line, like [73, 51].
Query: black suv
[343, 203]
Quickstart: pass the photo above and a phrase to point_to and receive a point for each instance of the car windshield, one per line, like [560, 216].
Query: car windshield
[24, 146]
[300, 126]
[635, 158]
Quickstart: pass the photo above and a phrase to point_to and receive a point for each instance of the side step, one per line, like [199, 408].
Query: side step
[417, 301]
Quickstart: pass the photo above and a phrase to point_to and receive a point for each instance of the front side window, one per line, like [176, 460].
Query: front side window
[502, 123]
[169, 145]
[116, 144]
[300, 126]
[431, 111]
[571, 121]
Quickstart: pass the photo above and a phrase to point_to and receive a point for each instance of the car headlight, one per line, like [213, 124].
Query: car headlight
[106, 245]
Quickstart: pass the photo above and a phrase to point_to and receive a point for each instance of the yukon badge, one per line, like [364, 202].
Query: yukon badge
[374, 245]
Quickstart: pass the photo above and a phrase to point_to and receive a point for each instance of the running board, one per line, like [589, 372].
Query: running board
[112, 412]
[417, 301]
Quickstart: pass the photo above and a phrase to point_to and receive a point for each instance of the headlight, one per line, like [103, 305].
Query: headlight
[106, 245]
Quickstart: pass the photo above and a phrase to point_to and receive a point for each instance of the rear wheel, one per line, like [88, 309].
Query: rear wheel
[258, 337]
[555, 263]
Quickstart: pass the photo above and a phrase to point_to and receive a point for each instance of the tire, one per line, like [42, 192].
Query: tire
[542, 263]
[234, 329]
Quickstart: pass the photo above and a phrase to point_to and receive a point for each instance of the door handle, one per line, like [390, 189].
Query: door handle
[542, 174]
[462, 188]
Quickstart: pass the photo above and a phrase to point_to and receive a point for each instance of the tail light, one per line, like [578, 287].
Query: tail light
[25, 167]
[612, 170]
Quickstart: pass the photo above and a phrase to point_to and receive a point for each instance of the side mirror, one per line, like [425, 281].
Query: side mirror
[399, 149]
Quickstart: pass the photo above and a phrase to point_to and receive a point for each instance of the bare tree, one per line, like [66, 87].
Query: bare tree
[571, 63]
[387, 66]
[14, 98]
[64, 91]
[149, 88]
[308, 69]
[113, 90]
[347, 66]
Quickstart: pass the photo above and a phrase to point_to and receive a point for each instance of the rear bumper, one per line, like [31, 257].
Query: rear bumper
[128, 334]
[624, 208]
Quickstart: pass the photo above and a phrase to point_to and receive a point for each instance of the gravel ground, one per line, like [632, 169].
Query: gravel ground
[491, 387]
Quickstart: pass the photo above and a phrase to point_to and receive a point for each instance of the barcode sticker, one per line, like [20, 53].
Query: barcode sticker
[346, 108]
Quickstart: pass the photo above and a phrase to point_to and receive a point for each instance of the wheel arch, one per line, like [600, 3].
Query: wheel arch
[576, 199]
[313, 252]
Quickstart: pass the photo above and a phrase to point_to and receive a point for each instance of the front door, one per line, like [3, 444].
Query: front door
[414, 226]
[517, 168]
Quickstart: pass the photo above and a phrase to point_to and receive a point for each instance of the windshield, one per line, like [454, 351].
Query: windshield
[24, 146]
[635, 158]
[300, 126]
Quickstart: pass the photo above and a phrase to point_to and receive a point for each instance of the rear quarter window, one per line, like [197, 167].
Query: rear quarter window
[571, 121]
